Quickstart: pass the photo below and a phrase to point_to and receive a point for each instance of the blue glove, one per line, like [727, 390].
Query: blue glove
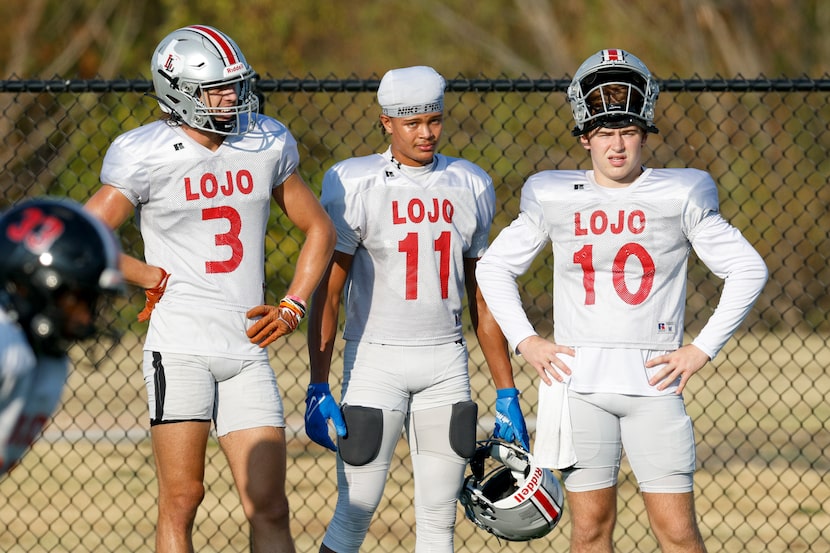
[510, 423]
[320, 407]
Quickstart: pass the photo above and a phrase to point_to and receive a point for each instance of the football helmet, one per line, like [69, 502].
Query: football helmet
[592, 101]
[55, 255]
[517, 500]
[193, 59]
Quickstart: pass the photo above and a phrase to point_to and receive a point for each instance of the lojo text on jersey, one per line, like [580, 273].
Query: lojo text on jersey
[417, 210]
[600, 222]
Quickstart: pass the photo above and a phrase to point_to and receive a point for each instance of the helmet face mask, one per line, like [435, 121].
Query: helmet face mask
[613, 89]
[515, 500]
[58, 263]
[192, 61]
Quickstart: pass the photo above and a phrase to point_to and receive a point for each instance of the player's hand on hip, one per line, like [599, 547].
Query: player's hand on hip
[510, 422]
[320, 407]
[546, 358]
[275, 321]
[682, 363]
[153, 296]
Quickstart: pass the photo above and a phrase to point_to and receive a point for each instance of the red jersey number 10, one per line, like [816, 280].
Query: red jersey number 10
[584, 258]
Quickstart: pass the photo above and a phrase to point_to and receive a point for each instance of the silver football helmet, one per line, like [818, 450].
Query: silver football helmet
[517, 500]
[192, 59]
[593, 81]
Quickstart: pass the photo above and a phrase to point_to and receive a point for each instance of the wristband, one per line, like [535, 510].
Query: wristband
[300, 301]
[295, 304]
[291, 312]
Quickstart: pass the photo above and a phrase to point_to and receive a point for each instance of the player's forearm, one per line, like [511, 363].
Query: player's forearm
[313, 260]
[139, 273]
[741, 289]
[497, 357]
[500, 291]
[112, 208]
[322, 330]
[320, 361]
[493, 344]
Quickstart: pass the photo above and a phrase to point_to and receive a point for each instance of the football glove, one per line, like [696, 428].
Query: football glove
[510, 423]
[153, 296]
[291, 311]
[275, 322]
[320, 407]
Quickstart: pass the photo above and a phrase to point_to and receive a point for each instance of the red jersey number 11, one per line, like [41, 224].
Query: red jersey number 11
[409, 246]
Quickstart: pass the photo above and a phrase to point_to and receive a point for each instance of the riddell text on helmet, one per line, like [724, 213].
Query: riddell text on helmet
[530, 486]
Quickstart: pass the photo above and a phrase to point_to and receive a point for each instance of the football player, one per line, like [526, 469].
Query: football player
[58, 264]
[201, 181]
[621, 235]
[411, 225]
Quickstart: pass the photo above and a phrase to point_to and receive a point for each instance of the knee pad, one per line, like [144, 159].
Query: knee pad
[463, 428]
[364, 426]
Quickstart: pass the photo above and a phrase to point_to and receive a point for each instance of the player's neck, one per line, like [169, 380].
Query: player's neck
[209, 140]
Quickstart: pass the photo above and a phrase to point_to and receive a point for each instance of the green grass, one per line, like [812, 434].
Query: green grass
[760, 413]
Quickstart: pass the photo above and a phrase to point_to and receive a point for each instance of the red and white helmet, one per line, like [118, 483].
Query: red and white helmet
[192, 59]
[517, 500]
[613, 67]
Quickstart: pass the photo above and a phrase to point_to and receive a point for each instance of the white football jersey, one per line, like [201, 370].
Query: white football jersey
[203, 218]
[30, 390]
[409, 238]
[618, 254]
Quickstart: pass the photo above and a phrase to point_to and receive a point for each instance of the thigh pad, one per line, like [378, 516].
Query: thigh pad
[463, 428]
[364, 427]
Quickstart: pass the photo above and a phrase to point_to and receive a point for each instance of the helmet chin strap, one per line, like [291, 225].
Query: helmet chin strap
[510, 457]
[223, 125]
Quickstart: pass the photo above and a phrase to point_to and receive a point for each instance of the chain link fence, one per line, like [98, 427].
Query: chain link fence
[760, 409]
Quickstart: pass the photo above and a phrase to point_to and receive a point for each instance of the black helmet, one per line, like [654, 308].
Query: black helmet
[52, 250]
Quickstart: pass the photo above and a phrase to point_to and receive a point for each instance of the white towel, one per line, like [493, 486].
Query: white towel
[553, 447]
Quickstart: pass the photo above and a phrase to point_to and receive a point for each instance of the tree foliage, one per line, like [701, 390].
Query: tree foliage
[114, 38]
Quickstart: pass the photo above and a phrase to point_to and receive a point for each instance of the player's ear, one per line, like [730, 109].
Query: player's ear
[386, 123]
[585, 142]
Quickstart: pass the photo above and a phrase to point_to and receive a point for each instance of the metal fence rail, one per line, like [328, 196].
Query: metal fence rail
[760, 410]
